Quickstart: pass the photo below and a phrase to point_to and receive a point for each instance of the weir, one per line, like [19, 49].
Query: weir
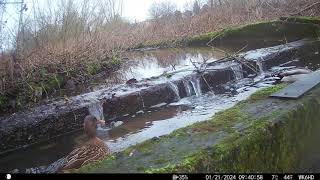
[48, 121]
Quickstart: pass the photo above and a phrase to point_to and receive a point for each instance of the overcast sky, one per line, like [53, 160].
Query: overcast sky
[133, 10]
[138, 9]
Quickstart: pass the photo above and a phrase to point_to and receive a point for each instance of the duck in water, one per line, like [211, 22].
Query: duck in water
[94, 150]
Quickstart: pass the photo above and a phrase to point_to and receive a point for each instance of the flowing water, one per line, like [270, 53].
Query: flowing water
[156, 121]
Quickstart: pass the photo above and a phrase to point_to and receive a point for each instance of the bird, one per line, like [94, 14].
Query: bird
[94, 150]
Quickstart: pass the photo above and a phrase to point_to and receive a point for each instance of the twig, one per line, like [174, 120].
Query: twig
[306, 8]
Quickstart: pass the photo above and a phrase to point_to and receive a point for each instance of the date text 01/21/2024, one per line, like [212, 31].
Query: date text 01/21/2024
[233, 177]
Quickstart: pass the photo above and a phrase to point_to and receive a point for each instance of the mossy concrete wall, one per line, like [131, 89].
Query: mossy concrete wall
[260, 134]
[260, 34]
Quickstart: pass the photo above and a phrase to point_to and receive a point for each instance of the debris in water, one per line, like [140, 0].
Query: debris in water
[132, 153]
[140, 112]
[116, 124]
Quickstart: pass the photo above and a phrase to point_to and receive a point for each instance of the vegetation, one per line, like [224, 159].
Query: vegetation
[253, 136]
[75, 40]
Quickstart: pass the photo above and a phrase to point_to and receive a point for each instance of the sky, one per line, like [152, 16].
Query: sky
[133, 10]
[138, 9]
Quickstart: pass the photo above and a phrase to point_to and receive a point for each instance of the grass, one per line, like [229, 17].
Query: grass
[231, 153]
[64, 47]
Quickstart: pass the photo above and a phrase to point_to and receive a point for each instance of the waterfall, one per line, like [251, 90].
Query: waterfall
[96, 110]
[237, 70]
[259, 63]
[196, 86]
[143, 106]
[187, 87]
[175, 89]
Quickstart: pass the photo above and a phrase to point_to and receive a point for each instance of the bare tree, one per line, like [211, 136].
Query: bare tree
[196, 7]
[162, 9]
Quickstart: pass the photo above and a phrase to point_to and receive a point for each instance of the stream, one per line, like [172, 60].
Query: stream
[158, 120]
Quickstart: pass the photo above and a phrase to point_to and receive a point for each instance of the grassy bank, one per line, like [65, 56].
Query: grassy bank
[257, 135]
[43, 80]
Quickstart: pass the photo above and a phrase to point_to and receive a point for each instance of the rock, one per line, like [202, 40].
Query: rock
[70, 86]
[140, 112]
[15, 171]
[295, 71]
[199, 107]
[116, 124]
[155, 138]
[293, 78]
[131, 81]
[132, 153]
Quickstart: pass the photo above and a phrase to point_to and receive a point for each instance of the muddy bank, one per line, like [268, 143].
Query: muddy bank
[260, 134]
[48, 121]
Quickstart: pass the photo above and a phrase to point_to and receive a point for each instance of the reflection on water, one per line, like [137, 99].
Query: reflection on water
[145, 64]
[154, 63]
[140, 121]
[46, 153]
[139, 65]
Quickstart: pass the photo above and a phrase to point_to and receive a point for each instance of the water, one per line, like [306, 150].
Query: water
[96, 110]
[238, 72]
[260, 66]
[196, 86]
[153, 63]
[156, 62]
[187, 87]
[175, 90]
[150, 123]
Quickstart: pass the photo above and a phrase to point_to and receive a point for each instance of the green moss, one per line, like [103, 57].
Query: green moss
[221, 121]
[302, 19]
[277, 141]
[267, 31]
[4, 102]
[264, 93]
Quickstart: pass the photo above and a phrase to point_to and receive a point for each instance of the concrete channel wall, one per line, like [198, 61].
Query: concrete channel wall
[57, 118]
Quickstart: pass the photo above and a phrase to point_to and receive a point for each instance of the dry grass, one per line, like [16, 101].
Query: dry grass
[69, 40]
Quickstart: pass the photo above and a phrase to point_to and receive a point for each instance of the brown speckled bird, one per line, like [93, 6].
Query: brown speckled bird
[94, 150]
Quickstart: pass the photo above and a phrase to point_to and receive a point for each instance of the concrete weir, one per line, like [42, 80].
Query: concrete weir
[66, 115]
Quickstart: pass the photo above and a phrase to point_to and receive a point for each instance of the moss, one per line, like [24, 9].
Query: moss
[221, 121]
[266, 31]
[277, 141]
[302, 19]
[264, 93]
[160, 160]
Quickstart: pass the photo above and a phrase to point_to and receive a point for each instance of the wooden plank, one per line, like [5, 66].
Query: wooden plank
[300, 87]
